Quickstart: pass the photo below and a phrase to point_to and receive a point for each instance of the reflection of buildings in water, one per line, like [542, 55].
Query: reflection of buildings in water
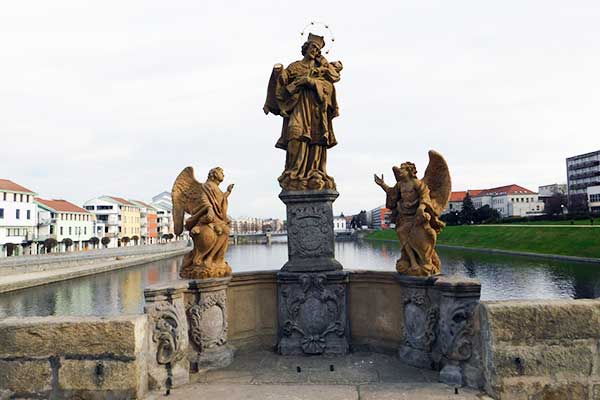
[153, 275]
[131, 291]
[175, 267]
[74, 298]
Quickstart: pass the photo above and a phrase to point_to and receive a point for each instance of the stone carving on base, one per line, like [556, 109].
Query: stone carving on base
[313, 313]
[169, 332]
[208, 223]
[208, 322]
[168, 366]
[207, 318]
[304, 95]
[416, 205]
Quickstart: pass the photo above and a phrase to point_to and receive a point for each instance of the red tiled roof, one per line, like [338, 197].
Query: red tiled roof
[460, 196]
[61, 205]
[121, 200]
[503, 190]
[7, 185]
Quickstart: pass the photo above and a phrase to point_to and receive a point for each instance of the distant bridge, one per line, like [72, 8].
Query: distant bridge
[268, 236]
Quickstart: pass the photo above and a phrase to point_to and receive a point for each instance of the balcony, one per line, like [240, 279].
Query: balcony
[584, 165]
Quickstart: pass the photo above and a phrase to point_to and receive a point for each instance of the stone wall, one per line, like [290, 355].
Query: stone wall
[73, 357]
[252, 309]
[45, 262]
[541, 350]
[376, 312]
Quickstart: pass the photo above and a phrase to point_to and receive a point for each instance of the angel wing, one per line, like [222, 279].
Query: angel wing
[437, 178]
[271, 101]
[186, 192]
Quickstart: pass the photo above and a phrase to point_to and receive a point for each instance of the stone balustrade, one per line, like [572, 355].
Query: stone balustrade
[524, 350]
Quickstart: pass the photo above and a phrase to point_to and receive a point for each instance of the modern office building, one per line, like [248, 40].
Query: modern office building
[594, 198]
[583, 171]
[380, 217]
[18, 219]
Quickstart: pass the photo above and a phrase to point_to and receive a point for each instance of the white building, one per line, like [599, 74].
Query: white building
[62, 220]
[456, 200]
[594, 198]
[510, 201]
[163, 203]
[18, 218]
[107, 221]
[339, 223]
[546, 191]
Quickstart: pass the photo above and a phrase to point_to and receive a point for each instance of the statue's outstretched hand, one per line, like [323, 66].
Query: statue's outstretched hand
[230, 188]
[379, 180]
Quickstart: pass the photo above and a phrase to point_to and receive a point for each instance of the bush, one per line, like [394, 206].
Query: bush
[94, 241]
[135, 239]
[105, 241]
[68, 243]
[49, 244]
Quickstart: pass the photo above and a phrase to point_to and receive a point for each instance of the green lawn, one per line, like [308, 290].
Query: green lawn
[566, 222]
[580, 242]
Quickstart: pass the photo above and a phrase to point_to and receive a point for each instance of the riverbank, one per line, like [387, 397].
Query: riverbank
[60, 270]
[573, 242]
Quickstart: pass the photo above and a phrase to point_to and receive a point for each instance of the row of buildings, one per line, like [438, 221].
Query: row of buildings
[27, 220]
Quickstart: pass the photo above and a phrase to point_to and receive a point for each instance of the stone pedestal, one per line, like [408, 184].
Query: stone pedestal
[421, 314]
[207, 319]
[167, 362]
[312, 289]
[310, 230]
[457, 331]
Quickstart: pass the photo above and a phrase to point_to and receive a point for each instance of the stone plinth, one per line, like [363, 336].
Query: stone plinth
[313, 312]
[168, 366]
[458, 332]
[421, 314]
[310, 230]
[207, 319]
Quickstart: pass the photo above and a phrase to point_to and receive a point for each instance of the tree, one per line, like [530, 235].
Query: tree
[165, 237]
[10, 248]
[105, 241]
[578, 204]
[49, 244]
[170, 236]
[555, 204]
[467, 214]
[68, 243]
[94, 241]
[125, 240]
[486, 214]
[451, 218]
[135, 239]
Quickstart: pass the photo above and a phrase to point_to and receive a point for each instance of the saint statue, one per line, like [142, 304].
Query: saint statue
[208, 223]
[304, 95]
[416, 205]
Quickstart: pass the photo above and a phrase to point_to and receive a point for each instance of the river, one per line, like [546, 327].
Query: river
[121, 292]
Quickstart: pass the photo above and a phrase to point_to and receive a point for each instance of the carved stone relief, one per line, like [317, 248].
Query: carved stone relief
[208, 321]
[420, 321]
[169, 333]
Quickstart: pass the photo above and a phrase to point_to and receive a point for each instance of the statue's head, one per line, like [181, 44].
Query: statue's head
[216, 174]
[312, 47]
[406, 170]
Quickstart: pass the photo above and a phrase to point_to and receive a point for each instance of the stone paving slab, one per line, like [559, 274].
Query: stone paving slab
[364, 376]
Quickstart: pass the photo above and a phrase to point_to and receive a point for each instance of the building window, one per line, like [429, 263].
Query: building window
[21, 198]
[70, 231]
[28, 214]
[85, 230]
[14, 197]
[61, 230]
[52, 229]
[4, 196]
[18, 214]
[1, 213]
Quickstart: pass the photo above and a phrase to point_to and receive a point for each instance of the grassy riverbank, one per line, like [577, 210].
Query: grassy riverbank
[566, 241]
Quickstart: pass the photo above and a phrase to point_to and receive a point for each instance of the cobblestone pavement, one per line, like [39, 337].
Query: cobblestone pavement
[362, 376]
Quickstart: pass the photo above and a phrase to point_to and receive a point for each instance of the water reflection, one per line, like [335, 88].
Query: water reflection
[121, 292]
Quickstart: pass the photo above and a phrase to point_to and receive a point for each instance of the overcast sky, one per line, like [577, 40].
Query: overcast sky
[116, 97]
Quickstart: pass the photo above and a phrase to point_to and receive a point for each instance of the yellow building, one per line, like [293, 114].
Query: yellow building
[129, 218]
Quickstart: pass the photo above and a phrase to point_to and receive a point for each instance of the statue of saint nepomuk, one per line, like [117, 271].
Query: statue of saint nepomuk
[304, 95]
[207, 223]
[416, 205]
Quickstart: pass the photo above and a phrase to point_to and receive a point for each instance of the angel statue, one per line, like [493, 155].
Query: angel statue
[208, 223]
[304, 95]
[416, 205]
